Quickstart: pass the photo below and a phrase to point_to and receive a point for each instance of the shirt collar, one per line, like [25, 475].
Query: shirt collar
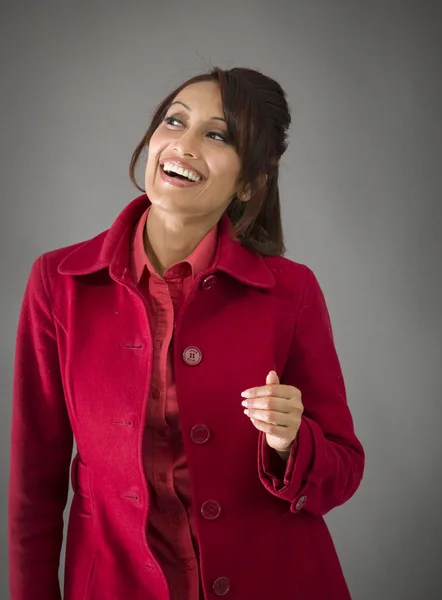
[110, 250]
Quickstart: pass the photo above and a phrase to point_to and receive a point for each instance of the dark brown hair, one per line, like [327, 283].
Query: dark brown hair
[258, 118]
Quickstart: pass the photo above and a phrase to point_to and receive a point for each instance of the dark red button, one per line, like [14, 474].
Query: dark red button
[200, 434]
[177, 519]
[156, 394]
[189, 564]
[179, 270]
[162, 477]
[211, 510]
[221, 586]
[208, 282]
[192, 355]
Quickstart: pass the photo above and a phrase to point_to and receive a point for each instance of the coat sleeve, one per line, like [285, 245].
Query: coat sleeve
[41, 450]
[326, 462]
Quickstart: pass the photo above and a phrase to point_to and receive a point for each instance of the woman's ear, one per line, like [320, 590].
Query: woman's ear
[246, 193]
[262, 180]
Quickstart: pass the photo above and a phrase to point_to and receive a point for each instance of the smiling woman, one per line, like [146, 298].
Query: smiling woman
[232, 128]
[196, 368]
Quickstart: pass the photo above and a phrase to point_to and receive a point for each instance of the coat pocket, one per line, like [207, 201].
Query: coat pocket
[81, 486]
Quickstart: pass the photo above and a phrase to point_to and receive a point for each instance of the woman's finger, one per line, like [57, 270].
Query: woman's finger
[283, 405]
[271, 429]
[270, 416]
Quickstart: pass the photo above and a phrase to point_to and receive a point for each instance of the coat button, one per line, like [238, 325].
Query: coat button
[221, 586]
[192, 355]
[300, 502]
[200, 434]
[156, 394]
[208, 282]
[211, 510]
[189, 565]
[176, 519]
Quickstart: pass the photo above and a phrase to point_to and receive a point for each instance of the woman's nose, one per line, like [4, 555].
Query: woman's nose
[187, 145]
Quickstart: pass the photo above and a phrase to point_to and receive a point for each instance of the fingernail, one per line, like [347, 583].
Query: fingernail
[246, 412]
[244, 403]
[245, 394]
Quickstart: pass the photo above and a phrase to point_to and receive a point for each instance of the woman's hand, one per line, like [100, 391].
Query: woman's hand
[276, 410]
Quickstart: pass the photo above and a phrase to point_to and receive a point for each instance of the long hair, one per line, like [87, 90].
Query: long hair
[258, 118]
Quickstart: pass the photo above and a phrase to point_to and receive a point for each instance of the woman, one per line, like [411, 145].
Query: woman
[195, 367]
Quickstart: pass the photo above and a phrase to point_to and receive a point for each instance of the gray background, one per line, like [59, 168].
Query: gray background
[361, 192]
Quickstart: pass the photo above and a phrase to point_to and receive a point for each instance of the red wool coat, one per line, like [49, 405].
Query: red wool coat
[83, 368]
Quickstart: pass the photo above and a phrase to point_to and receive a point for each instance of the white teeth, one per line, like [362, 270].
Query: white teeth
[170, 166]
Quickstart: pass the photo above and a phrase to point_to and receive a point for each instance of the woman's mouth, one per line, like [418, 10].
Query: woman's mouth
[181, 179]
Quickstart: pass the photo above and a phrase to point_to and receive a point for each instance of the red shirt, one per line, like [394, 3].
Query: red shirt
[171, 529]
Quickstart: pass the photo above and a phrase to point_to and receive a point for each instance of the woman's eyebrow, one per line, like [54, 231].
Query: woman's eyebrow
[189, 109]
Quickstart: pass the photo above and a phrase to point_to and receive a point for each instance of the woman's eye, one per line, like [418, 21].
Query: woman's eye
[171, 120]
[222, 137]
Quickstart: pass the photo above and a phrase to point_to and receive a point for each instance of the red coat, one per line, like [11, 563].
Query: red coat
[83, 366]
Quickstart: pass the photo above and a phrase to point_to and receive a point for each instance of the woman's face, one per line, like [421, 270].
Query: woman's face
[193, 134]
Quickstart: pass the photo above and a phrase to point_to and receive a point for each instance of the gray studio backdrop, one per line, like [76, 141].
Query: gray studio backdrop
[361, 192]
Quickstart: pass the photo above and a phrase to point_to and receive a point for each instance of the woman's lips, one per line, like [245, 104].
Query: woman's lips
[176, 181]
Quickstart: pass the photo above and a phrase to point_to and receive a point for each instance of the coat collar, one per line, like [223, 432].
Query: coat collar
[111, 250]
